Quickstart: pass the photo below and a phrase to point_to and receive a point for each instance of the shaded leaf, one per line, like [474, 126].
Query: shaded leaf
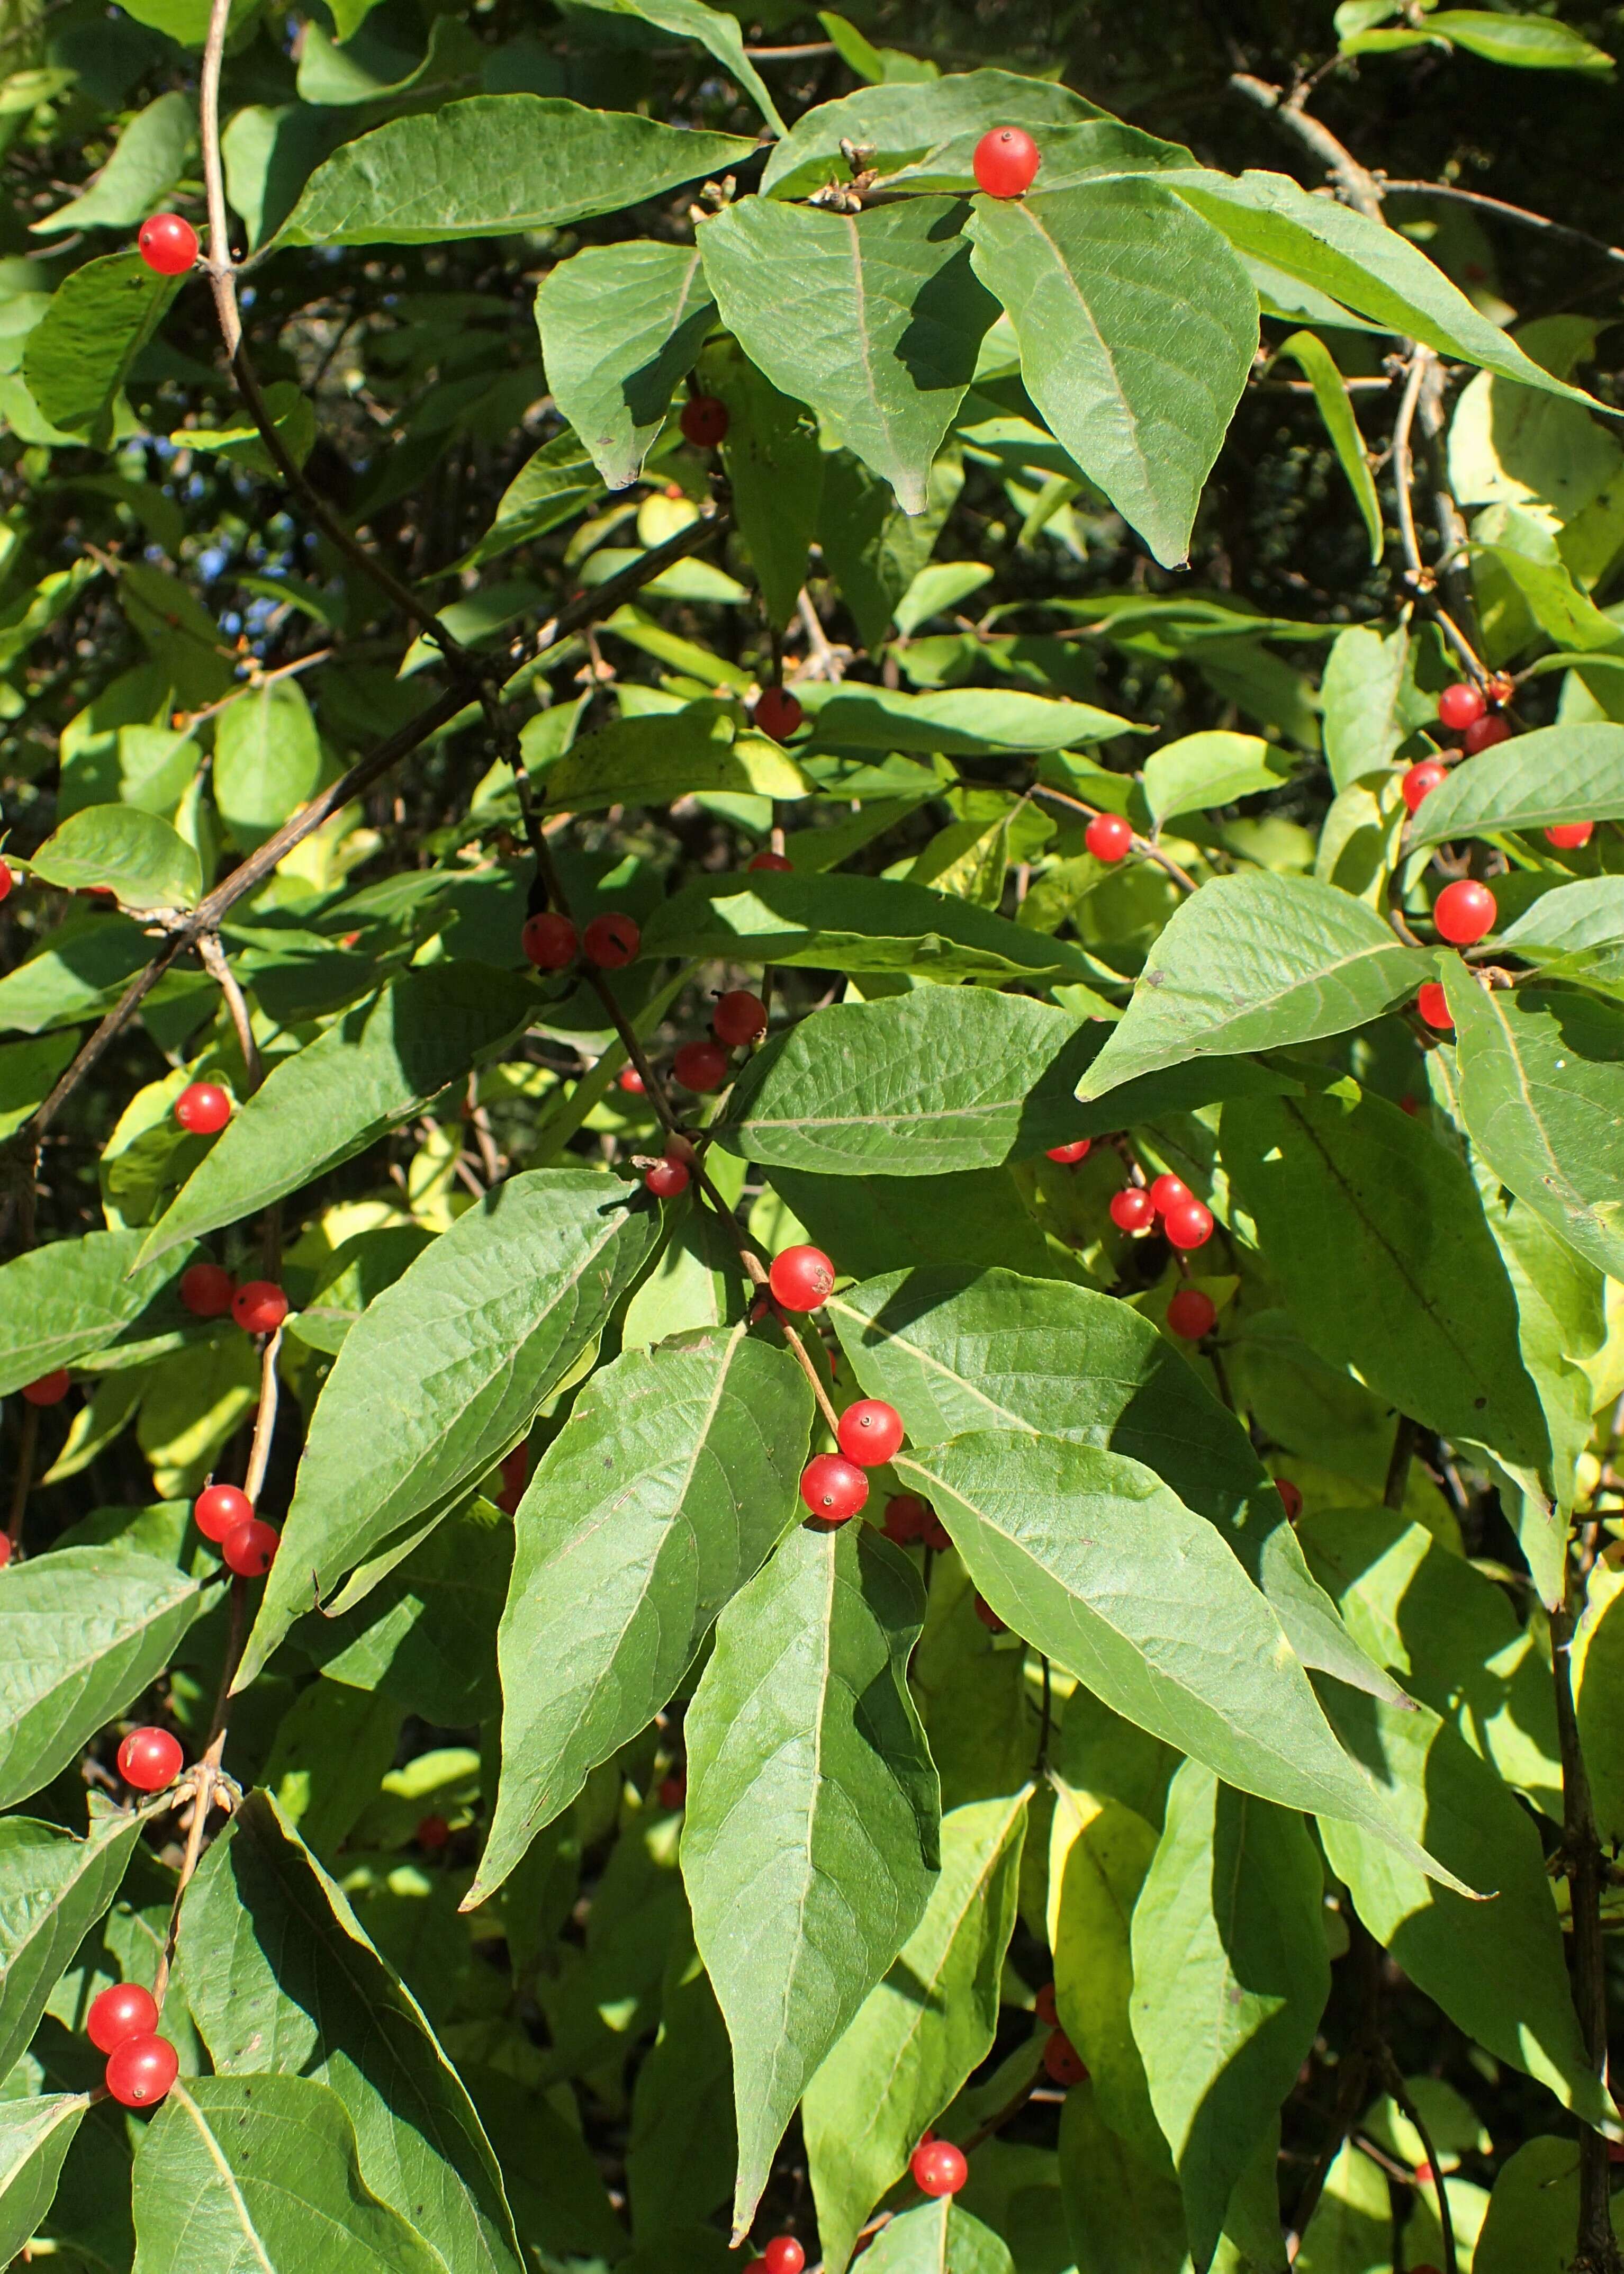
[69, 1302]
[53, 1889]
[619, 325]
[137, 855]
[713, 28]
[1557, 773]
[655, 761]
[148, 159]
[267, 758]
[34, 2137]
[81, 351]
[1319, 368]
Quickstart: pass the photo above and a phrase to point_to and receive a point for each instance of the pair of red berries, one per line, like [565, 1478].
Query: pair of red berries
[168, 243]
[203, 1108]
[142, 2066]
[225, 1514]
[1108, 836]
[209, 1291]
[833, 1485]
[908, 1519]
[1187, 1222]
[551, 943]
[1465, 710]
[1006, 163]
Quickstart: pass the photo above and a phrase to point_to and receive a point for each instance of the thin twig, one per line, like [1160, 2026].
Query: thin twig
[1403, 469]
[1397, 1482]
[1518, 214]
[1356, 185]
[213, 958]
[1144, 846]
[1395, 2078]
[264, 1420]
[1359, 2061]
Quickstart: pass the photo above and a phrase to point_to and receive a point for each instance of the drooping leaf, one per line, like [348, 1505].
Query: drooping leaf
[81, 351]
[552, 487]
[811, 1839]
[1575, 933]
[1362, 692]
[134, 854]
[1557, 773]
[669, 1486]
[458, 1354]
[53, 1889]
[70, 1302]
[775, 470]
[1533, 2212]
[960, 721]
[34, 2137]
[1319, 367]
[1100, 1850]
[713, 28]
[148, 159]
[902, 123]
[683, 2148]
[619, 325]
[1202, 771]
[267, 760]
[654, 761]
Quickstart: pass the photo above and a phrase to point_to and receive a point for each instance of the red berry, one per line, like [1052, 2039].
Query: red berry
[1433, 1005]
[704, 421]
[938, 2167]
[869, 1431]
[169, 245]
[741, 1018]
[1167, 1192]
[777, 713]
[250, 1550]
[1463, 911]
[937, 1537]
[833, 1488]
[1462, 705]
[1422, 781]
[5, 1550]
[1423, 2179]
[906, 1517]
[549, 941]
[802, 1279]
[1133, 1209]
[784, 2255]
[1485, 734]
[667, 1178]
[1107, 837]
[150, 1759]
[1291, 1497]
[988, 1617]
[126, 2010]
[1191, 1315]
[770, 861]
[1066, 1154]
[218, 1508]
[672, 1790]
[1044, 2006]
[611, 941]
[1006, 162]
[700, 1065]
[1062, 2060]
[206, 1289]
[1188, 1226]
[6, 878]
[1568, 836]
[259, 1306]
[203, 1107]
[432, 1833]
[50, 1390]
[141, 2070]
[515, 1475]
[631, 1082]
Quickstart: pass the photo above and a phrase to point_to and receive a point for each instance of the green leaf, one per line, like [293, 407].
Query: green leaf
[853, 923]
[1542, 1091]
[774, 463]
[331, 1751]
[145, 862]
[1363, 693]
[1100, 1850]
[691, 20]
[920, 2031]
[872, 548]
[457, 1354]
[1319, 367]
[1598, 1665]
[956, 1349]
[148, 159]
[268, 760]
[80, 352]
[1137, 380]
[493, 164]
[53, 1889]
[876, 1224]
[811, 1838]
[1530, 42]
[1230, 1976]
[64, 1304]
[1202, 771]
[374, 1066]
[1575, 933]
[1533, 2214]
[284, 1983]
[670, 1484]
[270, 151]
[902, 123]
[34, 2137]
[938, 2237]
[1557, 773]
[1553, 599]
[1063, 1539]
[1125, 2217]
[872, 319]
[1254, 962]
[620, 325]
[83, 1631]
[549, 489]
[1376, 1234]
[683, 2147]
[186, 21]
[960, 721]
[260, 2172]
[28, 1073]
[654, 761]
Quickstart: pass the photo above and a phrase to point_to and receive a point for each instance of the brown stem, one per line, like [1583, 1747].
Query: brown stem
[27, 1447]
[1519, 213]
[1404, 470]
[264, 1420]
[1394, 2077]
[1397, 1481]
[213, 958]
[1144, 846]
[1354, 184]
[1360, 2062]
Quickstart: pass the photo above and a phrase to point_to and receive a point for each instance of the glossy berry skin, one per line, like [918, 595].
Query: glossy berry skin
[141, 2070]
[6, 878]
[906, 1517]
[704, 421]
[1461, 706]
[1463, 911]
[50, 1390]
[1044, 2006]
[777, 713]
[1433, 1005]
[741, 1018]
[432, 1833]
[218, 1508]
[1133, 1209]
[1062, 2059]
[1568, 836]
[700, 1065]
[259, 1306]
[631, 1082]
[774, 861]
[802, 1279]
[938, 2167]
[150, 1759]
[1486, 734]
[202, 1108]
[1191, 1315]
[1006, 162]
[667, 1178]
[611, 941]
[168, 243]
[549, 941]
[250, 1550]
[206, 1289]
[126, 2010]
[784, 2255]
[989, 1617]
[1068, 1155]
[869, 1431]
[1188, 1226]
[1107, 837]
[1422, 781]
[1292, 1499]
[5, 1550]
[833, 1488]
[1169, 1192]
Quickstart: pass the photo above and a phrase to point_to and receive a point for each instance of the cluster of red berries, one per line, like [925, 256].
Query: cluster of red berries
[833, 1485]
[738, 1022]
[225, 1515]
[1465, 710]
[552, 944]
[1186, 1221]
